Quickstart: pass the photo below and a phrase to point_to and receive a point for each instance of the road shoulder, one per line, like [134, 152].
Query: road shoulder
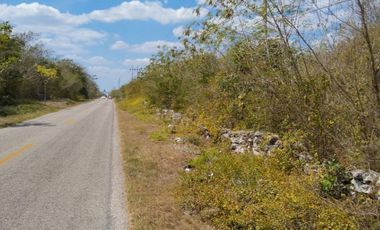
[152, 170]
[118, 197]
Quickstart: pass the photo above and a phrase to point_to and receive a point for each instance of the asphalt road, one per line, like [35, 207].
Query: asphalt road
[63, 171]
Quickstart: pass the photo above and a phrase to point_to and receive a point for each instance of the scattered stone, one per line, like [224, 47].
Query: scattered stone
[188, 168]
[172, 128]
[176, 117]
[204, 132]
[367, 182]
[274, 142]
[187, 213]
[178, 140]
[249, 141]
[241, 141]
[169, 115]
[257, 137]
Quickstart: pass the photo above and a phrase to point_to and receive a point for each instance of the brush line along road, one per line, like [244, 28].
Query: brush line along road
[63, 171]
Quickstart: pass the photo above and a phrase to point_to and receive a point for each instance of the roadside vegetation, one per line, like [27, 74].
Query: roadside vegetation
[14, 114]
[29, 74]
[151, 166]
[260, 65]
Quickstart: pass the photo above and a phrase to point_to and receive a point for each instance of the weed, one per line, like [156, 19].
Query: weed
[159, 135]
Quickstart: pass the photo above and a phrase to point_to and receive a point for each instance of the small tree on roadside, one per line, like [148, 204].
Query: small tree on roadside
[47, 74]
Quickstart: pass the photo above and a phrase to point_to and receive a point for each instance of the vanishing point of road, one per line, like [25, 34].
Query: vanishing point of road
[63, 171]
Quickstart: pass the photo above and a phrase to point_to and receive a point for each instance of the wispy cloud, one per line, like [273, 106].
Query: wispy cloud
[178, 31]
[137, 10]
[136, 62]
[149, 47]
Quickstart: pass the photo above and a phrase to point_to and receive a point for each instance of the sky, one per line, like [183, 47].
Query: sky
[107, 37]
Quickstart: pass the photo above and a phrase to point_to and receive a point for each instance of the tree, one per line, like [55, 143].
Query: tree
[47, 74]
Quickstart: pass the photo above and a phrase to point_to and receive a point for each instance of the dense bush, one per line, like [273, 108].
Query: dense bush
[19, 109]
[26, 68]
[245, 192]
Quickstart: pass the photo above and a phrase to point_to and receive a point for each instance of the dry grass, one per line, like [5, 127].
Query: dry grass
[38, 110]
[152, 172]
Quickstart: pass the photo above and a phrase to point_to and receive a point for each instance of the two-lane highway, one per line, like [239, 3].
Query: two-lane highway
[63, 171]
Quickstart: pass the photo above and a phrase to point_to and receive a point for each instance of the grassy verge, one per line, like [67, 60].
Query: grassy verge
[152, 166]
[10, 115]
[228, 191]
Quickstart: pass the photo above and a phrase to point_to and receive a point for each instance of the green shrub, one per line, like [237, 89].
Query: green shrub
[159, 135]
[334, 180]
[194, 139]
[20, 109]
[138, 107]
[246, 192]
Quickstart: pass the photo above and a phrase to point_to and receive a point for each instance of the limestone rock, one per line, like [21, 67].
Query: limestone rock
[188, 168]
[178, 140]
[365, 181]
[169, 115]
[250, 141]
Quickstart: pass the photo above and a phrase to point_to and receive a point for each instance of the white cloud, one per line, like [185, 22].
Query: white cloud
[149, 47]
[62, 32]
[98, 60]
[36, 13]
[108, 77]
[137, 10]
[41, 14]
[105, 71]
[136, 62]
[119, 45]
[178, 31]
[153, 46]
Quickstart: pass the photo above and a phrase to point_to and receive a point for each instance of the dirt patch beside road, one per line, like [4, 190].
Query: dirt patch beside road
[152, 170]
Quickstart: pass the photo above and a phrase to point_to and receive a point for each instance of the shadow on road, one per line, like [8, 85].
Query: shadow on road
[28, 124]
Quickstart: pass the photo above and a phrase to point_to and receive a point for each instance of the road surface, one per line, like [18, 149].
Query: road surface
[63, 171]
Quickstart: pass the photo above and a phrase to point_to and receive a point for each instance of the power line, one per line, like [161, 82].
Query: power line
[136, 69]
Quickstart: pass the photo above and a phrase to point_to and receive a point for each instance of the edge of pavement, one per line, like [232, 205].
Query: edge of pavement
[119, 217]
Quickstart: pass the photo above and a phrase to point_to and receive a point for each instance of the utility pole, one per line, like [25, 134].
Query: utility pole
[132, 70]
[137, 69]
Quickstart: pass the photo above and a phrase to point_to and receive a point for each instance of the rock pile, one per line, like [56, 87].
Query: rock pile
[169, 115]
[250, 141]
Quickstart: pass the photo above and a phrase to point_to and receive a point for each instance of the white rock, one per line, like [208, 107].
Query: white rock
[357, 173]
[369, 177]
[256, 152]
[178, 140]
[188, 168]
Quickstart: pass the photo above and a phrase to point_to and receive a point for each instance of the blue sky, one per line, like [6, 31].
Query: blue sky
[105, 36]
